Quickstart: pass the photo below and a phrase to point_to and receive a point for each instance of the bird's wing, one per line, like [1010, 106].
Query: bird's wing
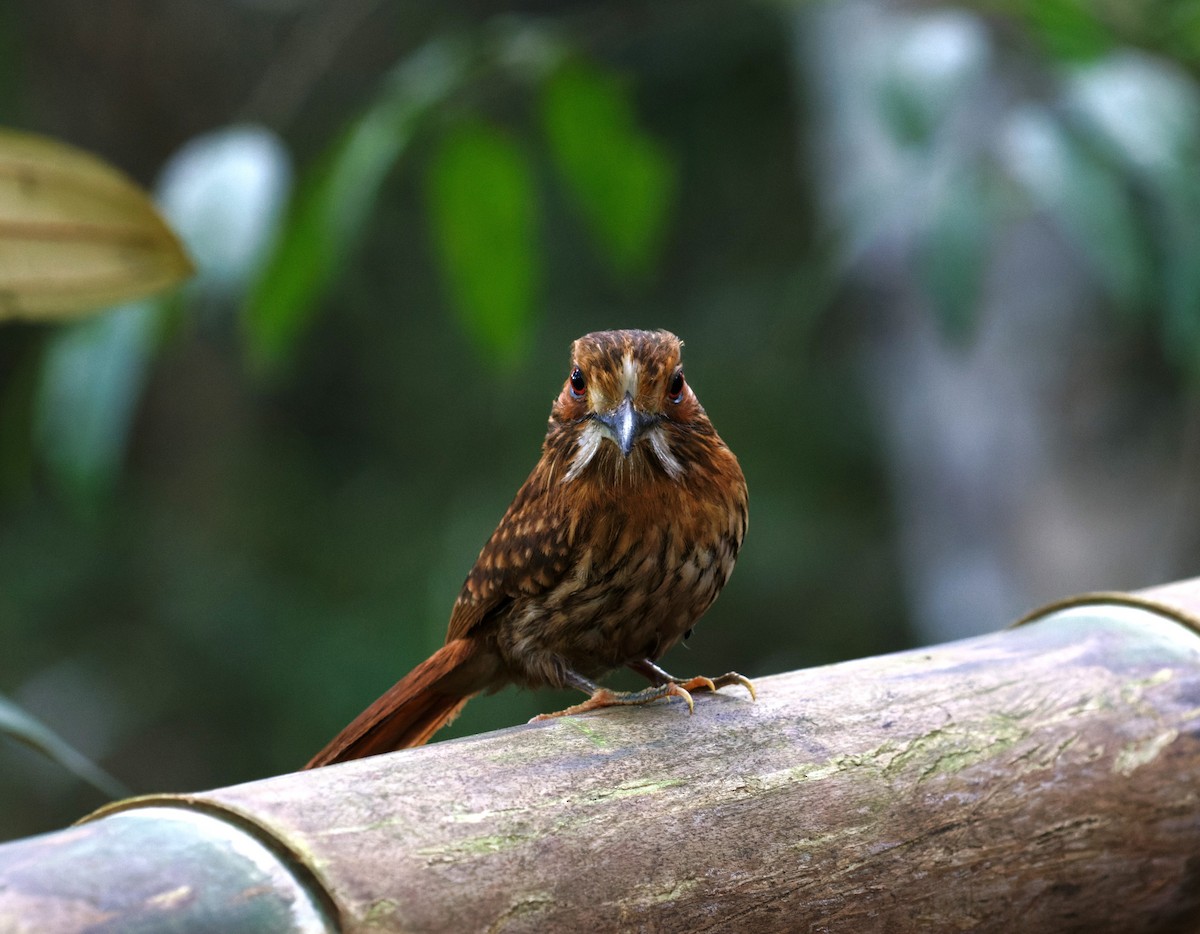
[528, 554]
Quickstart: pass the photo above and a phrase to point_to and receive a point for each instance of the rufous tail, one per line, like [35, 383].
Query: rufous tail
[409, 713]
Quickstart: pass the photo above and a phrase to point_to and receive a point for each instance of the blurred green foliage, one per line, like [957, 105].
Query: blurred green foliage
[92, 377]
[482, 202]
[1085, 193]
[1069, 29]
[955, 250]
[18, 725]
[337, 196]
[205, 573]
[621, 178]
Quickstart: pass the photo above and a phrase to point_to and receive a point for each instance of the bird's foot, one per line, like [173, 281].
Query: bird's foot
[729, 679]
[603, 697]
[655, 675]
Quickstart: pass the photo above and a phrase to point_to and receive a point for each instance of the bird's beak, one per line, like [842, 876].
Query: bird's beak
[626, 424]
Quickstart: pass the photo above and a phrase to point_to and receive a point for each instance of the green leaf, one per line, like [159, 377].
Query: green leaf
[1143, 115]
[483, 210]
[621, 178]
[19, 725]
[77, 234]
[1087, 197]
[336, 198]
[91, 380]
[1069, 29]
[936, 62]
[1179, 240]
[953, 254]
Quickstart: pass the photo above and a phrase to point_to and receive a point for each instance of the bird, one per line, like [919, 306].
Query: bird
[617, 543]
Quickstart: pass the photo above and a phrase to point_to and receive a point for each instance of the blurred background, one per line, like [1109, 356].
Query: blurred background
[936, 269]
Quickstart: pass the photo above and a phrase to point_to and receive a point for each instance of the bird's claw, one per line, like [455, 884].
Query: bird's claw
[729, 679]
[671, 689]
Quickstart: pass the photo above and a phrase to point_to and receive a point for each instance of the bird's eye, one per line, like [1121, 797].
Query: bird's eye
[578, 383]
[675, 389]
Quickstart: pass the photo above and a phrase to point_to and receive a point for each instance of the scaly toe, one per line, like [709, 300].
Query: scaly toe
[603, 697]
[730, 679]
[733, 678]
[678, 690]
[699, 683]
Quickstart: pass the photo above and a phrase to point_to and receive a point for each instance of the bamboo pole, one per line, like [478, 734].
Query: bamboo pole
[1045, 778]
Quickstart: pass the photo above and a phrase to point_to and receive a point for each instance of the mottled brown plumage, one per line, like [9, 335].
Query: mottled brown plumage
[619, 540]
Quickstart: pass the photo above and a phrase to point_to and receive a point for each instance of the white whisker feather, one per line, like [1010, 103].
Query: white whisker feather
[662, 450]
[589, 443]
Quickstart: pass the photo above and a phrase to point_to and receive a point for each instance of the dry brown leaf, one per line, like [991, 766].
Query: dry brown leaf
[76, 235]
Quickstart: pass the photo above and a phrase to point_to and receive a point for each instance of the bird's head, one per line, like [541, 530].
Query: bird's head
[625, 401]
